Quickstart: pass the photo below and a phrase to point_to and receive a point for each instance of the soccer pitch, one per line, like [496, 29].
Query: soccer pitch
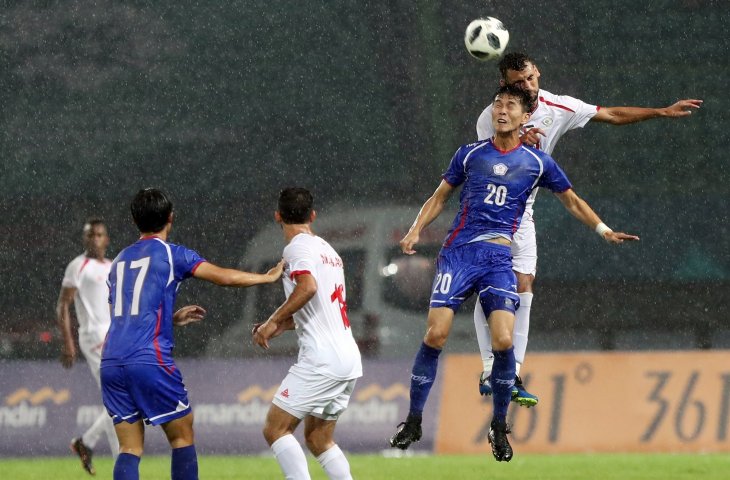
[461, 467]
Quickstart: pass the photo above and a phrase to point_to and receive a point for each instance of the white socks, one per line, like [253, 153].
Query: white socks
[335, 464]
[291, 458]
[519, 335]
[102, 424]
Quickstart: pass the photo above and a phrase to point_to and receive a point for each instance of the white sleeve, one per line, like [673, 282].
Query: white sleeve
[71, 276]
[299, 259]
[485, 129]
[583, 112]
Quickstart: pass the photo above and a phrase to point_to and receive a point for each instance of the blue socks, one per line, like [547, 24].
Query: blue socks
[503, 379]
[422, 377]
[126, 467]
[184, 463]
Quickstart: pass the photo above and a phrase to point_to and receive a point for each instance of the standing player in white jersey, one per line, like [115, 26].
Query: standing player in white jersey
[318, 387]
[84, 286]
[551, 117]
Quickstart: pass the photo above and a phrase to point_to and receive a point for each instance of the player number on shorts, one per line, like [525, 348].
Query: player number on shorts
[442, 283]
[339, 295]
[143, 264]
[497, 194]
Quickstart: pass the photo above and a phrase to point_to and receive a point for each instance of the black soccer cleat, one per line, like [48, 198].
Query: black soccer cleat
[407, 433]
[501, 449]
[84, 453]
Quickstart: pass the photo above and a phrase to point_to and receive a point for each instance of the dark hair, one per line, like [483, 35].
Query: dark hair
[295, 205]
[516, 92]
[93, 222]
[514, 61]
[151, 210]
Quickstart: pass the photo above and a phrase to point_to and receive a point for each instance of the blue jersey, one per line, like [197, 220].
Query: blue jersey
[143, 284]
[496, 186]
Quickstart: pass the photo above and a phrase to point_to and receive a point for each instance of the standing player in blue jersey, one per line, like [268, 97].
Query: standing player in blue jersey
[498, 176]
[140, 382]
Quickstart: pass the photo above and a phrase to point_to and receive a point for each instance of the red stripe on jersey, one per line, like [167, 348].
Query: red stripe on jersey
[195, 267]
[519, 144]
[299, 272]
[86, 262]
[459, 227]
[557, 105]
[156, 341]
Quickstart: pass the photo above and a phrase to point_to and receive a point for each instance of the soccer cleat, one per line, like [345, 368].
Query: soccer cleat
[519, 395]
[501, 449]
[84, 453]
[407, 433]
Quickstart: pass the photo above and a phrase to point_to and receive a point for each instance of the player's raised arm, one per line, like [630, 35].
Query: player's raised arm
[429, 212]
[229, 277]
[63, 318]
[583, 212]
[626, 115]
[281, 319]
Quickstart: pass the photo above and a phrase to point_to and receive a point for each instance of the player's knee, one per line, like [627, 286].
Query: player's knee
[524, 283]
[317, 443]
[436, 337]
[501, 341]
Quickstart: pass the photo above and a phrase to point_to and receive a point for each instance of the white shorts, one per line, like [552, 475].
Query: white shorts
[91, 349]
[306, 393]
[524, 247]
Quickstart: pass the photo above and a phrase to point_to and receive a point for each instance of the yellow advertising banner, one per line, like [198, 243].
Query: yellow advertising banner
[597, 402]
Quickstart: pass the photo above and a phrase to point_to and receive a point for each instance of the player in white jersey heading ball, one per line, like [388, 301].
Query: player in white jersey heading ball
[84, 286]
[552, 116]
[318, 387]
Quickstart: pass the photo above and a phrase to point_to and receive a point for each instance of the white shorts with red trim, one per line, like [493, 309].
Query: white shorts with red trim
[306, 393]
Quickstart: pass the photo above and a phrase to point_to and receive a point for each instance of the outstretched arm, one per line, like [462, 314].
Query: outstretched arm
[625, 115]
[583, 212]
[282, 319]
[429, 212]
[63, 318]
[229, 277]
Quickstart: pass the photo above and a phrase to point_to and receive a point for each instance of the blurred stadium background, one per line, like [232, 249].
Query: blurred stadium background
[223, 103]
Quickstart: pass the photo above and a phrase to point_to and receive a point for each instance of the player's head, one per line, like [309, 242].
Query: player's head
[510, 109]
[151, 210]
[295, 206]
[520, 70]
[95, 237]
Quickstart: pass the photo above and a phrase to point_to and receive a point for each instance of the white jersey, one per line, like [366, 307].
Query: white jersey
[554, 114]
[88, 276]
[326, 344]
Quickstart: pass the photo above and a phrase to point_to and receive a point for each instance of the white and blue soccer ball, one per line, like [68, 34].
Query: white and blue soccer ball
[486, 38]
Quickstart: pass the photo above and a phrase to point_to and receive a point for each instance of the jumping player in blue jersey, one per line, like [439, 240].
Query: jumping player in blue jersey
[139, 379]
[498, 176]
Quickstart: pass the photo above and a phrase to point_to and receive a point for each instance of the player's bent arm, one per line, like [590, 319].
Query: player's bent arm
[63, 318]
[583, 212]
[304, 290]
[429, 212]
[626, 115]
[229, 277]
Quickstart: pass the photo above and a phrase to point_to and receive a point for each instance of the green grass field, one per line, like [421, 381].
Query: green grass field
[533, 467]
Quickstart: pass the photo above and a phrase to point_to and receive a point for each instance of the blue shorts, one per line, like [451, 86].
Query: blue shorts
[478, 267]
[153, 393]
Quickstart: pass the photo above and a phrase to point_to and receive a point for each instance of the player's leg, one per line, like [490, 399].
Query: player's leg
[180, 436]
[131, 446]
[501, 323]
[319, 434]
[279, 433]
[103, 424]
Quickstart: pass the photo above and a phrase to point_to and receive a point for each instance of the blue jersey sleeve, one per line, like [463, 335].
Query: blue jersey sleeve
[553, 178]
[185, 260]
[455, 175]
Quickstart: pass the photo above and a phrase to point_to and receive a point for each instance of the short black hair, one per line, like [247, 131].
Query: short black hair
[514, 61]
[513, 91]
[94, 221]
[151, 210]
[295, 205]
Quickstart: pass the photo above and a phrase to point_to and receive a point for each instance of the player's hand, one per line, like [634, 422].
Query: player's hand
[619, 237]
[68, 356]
[262, 332]
[532, 136]
[682, 108]
[408, 242]
[188, 314]
[275, 273]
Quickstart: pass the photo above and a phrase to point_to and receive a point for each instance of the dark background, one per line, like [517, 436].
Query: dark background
[223, 103]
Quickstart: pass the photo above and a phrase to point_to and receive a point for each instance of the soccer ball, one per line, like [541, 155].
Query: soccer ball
[486, 38]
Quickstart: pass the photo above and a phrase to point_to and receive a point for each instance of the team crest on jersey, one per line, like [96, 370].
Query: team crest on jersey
[547, 121]
[500, 169]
